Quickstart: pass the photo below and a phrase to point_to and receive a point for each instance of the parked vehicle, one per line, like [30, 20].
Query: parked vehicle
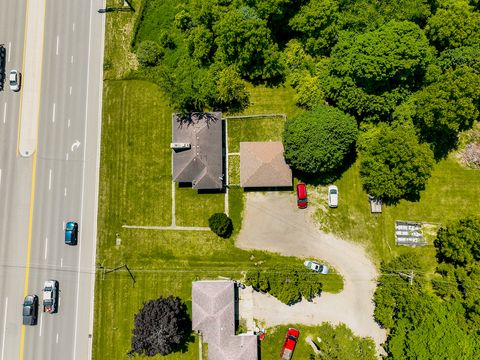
[50, 296]
[2, 65]
[14, 80]
[71, 233]
[302, 200]
[289, 344]
[332, 196]
[320, 268]
[30, 310]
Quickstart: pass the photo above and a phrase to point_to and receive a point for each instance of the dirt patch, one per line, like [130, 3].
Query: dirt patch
[272, 222]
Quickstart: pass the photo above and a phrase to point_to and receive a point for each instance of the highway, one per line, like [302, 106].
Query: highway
[56, 183]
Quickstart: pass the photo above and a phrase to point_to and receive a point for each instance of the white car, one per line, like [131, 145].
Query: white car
[332, 196]
[14, 80]
[312, 265]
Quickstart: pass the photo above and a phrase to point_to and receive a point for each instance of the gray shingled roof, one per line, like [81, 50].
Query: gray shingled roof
[202, 163]
[213, 314]
[262, 165]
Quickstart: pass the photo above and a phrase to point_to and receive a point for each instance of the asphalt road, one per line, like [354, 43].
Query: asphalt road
[62, 176]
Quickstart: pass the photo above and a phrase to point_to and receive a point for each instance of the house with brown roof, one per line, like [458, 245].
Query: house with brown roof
[262, 165]
[197, 149]
[213, 315]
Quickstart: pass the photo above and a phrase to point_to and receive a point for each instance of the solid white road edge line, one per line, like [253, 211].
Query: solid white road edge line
[57, 45]
[9, 50]
[46, 247]
[4, 326]
[4, 113]
[50, 180]
[41, 324]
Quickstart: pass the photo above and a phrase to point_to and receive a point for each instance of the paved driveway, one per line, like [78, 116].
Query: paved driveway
[273, 222]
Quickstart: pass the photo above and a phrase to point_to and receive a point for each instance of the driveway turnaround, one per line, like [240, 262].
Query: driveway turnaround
[273, 222]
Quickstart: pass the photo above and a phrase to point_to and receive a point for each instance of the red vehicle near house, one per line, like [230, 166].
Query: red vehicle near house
[302, 201]
[289, 344]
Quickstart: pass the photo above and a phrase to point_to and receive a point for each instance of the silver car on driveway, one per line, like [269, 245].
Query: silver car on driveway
[332, 196]
[319, 268]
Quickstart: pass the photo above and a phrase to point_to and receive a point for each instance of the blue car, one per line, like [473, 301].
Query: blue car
[71, 233]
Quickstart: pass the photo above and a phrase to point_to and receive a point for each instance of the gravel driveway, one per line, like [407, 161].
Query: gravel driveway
[272, 222]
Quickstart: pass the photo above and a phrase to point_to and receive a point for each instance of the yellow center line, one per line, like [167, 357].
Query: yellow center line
[29, 245]
[34, 166]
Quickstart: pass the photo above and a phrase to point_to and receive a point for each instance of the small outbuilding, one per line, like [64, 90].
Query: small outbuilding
[197, 149]
[262, 164]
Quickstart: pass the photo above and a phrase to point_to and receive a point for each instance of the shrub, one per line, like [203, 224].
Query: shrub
[288, 284]
[221, 225]
[149, 53]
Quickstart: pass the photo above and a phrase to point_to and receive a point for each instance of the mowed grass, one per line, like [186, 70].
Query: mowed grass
[253, 129]
[135, 159]
[193, 208]
[117, 302]
[234, 169]
[451, 193]
[119, 60]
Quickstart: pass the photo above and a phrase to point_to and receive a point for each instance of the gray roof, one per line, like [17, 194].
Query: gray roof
[202, 163]
[213, 314]
[262, 165]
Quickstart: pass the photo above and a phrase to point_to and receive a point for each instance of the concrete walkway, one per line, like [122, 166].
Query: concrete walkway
[32, 77]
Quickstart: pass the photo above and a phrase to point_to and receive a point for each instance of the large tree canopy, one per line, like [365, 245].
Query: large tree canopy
[371, 73]
[454, 25]
[243, 39]
[459, 243]
[444, 108]
[393, 164]
[316, 142]
[161, 327]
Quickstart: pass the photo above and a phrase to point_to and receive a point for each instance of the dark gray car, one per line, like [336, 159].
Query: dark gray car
[30, 310]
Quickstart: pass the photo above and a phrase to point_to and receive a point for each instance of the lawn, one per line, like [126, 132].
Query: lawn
[194, 209]
[253, 129]
[452, 192]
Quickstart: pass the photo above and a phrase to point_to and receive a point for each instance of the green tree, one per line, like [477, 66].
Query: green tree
[244, 40]
[149, 53]
[459, 242]
[444, 108]
[455, 24]
[317, 23]
[465, 55]
[393, 164]
[183, 20]
[230, 91]
[287, 283]
[366, 15]
[339, 343]
[318, 141]
[200, 44]
[371, 73]
[221, 225]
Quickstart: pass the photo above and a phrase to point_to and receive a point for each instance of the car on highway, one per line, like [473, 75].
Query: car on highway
[302, 200]
[332, 196]
[30, 310]
[289, 344]
[14, 80]
[319, 268]
[50, 296]
[71, 233]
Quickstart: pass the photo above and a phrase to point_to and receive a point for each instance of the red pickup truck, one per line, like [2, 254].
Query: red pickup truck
[289, 344]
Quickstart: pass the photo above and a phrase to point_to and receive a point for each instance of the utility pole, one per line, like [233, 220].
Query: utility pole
[409, 276]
